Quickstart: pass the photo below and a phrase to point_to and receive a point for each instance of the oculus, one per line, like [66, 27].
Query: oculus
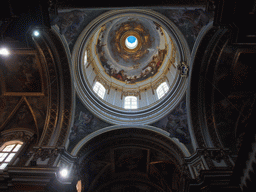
[131, 42]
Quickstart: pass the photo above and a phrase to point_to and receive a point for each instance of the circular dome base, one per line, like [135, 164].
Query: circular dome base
[130, 72]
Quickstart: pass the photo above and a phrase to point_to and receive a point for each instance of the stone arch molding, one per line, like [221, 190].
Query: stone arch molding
[110, 145]
[174, 142]
[115, 115]
[199, 39]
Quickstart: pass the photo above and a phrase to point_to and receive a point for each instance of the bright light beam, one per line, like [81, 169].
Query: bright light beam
[4, 51]
[36, 33]
[64, 173]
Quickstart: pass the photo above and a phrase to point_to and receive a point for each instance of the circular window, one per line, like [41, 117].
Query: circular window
[131, 42]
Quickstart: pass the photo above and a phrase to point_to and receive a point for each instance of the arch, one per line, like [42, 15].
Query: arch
[202, 124]
[55, 52]
[200, 37]
[131, 153]
[148, 128]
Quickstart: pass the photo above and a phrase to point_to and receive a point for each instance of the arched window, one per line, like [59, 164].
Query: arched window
[130, 102]
[8, 151]
[85, 58]
[162, 89]
[99, 89]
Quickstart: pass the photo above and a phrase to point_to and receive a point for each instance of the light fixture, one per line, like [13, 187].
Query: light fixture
[36, 33]
[64, 173]
[4, 51]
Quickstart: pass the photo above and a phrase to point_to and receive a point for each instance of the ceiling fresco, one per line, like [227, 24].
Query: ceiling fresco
[189, 21]
[131, 65]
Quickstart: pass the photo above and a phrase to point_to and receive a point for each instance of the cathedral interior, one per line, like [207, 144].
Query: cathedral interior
[140, 97]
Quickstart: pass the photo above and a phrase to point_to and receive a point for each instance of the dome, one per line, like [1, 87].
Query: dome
[131, 49]
[123, 58]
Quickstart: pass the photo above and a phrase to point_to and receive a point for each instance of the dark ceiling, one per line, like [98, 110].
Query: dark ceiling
[131, 3]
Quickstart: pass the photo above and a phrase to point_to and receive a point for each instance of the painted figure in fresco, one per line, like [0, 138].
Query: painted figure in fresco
[81, 126]
[69, 23]
[177, 124]
[120, 75]
[177, 127]
[24, 76]
[22, 116]
[146, 72]
[191, 20]
[150, 69]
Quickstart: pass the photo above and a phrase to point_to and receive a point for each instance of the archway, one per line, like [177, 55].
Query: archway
[131, 158]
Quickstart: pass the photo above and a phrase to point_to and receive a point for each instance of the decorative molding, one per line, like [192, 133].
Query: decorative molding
[60, 88]
[183, 69]
[208, 158]
[130, 93]
[163, 79]
[24, 136]
[24, 67]
[45, 153]
[53, 110]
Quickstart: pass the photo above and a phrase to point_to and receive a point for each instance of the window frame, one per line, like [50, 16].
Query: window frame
[99, 89]
[8, 143]
[129, 106]
[85, 58]
[161, 88]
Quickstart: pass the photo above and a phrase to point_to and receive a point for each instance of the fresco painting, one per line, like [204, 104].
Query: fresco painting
[148, 71]
[190, 22]
[69, 23]
[39, 109]
[21, 74]
[130, 159]
[7, 105]
[175, 123]
[84, 124]
[22, 118]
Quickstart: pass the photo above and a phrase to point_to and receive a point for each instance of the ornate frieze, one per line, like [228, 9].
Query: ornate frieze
[42, 154]
[130, 93]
